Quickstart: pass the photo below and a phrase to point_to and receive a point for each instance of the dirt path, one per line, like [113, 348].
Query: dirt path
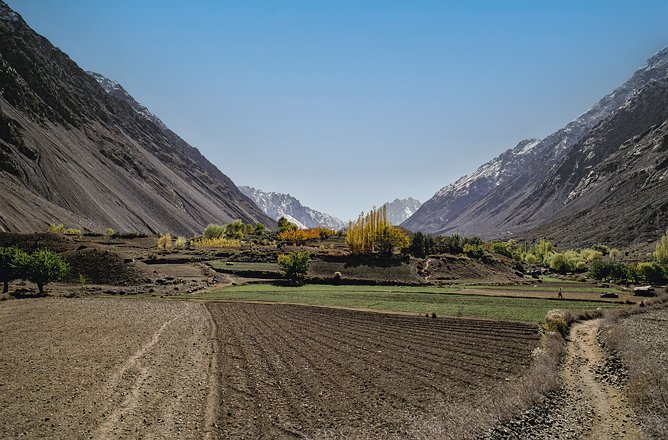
[612, 417]
[132, 367]
[585, 408]
[106, 368]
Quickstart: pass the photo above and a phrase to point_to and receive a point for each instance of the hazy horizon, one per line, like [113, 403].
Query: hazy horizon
[347, 105]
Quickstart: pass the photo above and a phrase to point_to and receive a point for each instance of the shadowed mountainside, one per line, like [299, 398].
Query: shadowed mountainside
[579, 185]
[71, 152]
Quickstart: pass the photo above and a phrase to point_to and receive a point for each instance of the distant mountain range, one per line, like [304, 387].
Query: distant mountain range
[76, 148]
[399, 210]
[601, 178]
[277, 205]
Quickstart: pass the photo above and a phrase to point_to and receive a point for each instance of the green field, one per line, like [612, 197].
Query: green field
[223, 266]
[576, 288]
[403, 299]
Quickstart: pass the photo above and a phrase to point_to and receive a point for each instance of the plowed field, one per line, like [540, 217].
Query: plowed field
[293, 371]
[110, 368]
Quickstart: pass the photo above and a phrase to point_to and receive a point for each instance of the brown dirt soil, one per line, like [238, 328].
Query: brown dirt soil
[103, 267]
[302, 372]
[587, 407]
[612, 415]
[459, 268]
[103, 368]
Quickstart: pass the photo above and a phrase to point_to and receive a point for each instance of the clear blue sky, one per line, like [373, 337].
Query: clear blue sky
[347, 104]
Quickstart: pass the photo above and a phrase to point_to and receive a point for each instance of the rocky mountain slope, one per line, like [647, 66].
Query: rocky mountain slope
[399, 210]
[74, 153]
[277, 205]
[529, 186]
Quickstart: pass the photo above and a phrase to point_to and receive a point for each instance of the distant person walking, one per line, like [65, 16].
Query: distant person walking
[560, 296]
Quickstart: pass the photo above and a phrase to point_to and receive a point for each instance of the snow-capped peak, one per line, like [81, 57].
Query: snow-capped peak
[277, 205]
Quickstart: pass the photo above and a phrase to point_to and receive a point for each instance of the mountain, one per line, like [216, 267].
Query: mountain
[529, 186]
[277, 205]
[401, 209]
[78, 149]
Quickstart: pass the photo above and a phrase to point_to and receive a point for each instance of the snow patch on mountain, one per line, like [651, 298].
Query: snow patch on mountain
[399, 210]
[277, 205]
[115, 89]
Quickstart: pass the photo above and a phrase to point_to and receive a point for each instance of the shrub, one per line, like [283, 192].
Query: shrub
[13, 262]
[652, 273]
[559, 321]
[165, 241]
[299, 236]
[109, 232]
[180, 242]
[501, 248]
[295, 264]
[214, 231]
[474, 250]
[216, 242]
[44, 267]
[72, 231]
[260, 229]
[590, 255]
[530, 258]
[603, 249]
[56, 229]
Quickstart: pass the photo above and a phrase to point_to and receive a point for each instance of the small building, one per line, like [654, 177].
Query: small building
[644, 291]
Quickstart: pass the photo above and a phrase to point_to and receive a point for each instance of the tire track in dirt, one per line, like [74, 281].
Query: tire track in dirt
[130, 366]
[613, 418]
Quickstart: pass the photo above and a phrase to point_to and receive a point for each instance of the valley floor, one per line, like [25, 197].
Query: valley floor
[129, 368]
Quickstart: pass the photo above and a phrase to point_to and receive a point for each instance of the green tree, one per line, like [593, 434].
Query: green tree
[12, 265]
[420, 246]
[295, 264]
[652, 273]
[615, 270]
[560, 263]
[285, 225]
[260, 229]
[474, 250]
[44, 267]
[501, 248]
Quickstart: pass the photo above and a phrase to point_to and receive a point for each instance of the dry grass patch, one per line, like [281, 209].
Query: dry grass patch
[640, 336]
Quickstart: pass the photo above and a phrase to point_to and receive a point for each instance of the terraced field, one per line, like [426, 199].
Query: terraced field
[294, 371]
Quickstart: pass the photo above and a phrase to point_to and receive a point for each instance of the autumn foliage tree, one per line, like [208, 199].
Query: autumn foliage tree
[661, 251]
[373, 233]
[300, 236]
